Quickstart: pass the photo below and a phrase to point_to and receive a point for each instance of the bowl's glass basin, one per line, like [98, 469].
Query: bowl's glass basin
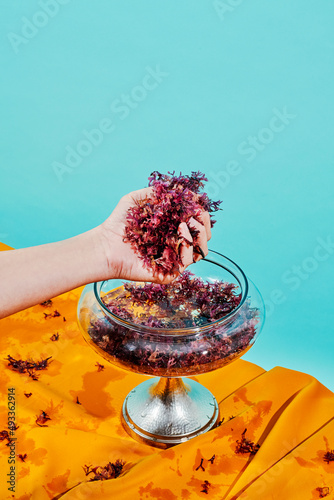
[173, 352]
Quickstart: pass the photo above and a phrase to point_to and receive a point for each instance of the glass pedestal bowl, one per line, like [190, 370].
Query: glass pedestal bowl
[168, 410]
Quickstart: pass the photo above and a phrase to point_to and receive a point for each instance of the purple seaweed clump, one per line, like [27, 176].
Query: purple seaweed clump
[187, 302]
[152, 224]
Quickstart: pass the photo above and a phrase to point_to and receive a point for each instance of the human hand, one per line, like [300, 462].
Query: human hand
[123, 262]
[45, 271]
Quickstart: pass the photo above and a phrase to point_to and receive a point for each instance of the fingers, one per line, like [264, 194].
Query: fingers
[201, 239]
[192, 245]
[140, 194]
[165, 279]
[204, 218]
[192, 249]
[186, 246]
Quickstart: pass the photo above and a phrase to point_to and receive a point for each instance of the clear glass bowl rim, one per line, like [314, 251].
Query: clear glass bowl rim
[183, 331]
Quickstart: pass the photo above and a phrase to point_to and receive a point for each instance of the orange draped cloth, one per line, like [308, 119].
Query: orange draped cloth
[290, 415]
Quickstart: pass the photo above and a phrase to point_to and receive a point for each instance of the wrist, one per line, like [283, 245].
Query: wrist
[91, 255]
[103, 252]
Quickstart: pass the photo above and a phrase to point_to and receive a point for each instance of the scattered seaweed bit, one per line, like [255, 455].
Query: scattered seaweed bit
[54, 337]
[46, 303]
[64, 319]
[100, 367]
[42, 419]
[206, 485]
[22, 457]
[324, 491]
[27, 394]
[212, 459]
[5, 435]
[110, 471]
[231, 417]
[43, 364]
[152, 224]
[220, 422]
[201, 465]
[329, 456]
[77, 401]
[87, 469]
[55, 314]
[33, 375]
[246, 446]
[28, 366]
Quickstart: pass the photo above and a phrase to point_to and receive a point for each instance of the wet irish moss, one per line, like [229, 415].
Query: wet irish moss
[152, 224]
[187, 302]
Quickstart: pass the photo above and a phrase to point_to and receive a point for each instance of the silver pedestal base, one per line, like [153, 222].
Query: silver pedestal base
[168, 411]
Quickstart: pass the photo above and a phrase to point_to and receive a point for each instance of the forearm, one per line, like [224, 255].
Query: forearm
[31, 275]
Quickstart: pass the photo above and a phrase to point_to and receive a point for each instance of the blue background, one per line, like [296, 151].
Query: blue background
[228, 69]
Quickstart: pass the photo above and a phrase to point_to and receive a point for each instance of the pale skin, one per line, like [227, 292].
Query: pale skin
[32, 275]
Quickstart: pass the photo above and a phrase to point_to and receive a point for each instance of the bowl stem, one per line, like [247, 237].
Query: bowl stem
[164, 411]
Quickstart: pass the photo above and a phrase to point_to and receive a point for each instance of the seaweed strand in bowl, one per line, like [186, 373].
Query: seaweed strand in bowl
[186, 302]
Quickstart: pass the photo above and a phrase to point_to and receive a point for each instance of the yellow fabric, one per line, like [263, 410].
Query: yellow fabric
[5, 247]
[290, 414]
